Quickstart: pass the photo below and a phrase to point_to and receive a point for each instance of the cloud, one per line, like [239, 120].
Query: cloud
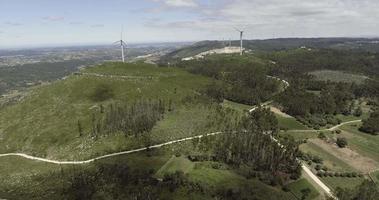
[178, 3]
[97, 25]
[53, 18]
[12, 23]
[287, 18]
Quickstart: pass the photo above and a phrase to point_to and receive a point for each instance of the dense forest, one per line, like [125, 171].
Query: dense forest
[242, 80]
[304, 60]
[316, 102]
[319, 110]
[248, 145]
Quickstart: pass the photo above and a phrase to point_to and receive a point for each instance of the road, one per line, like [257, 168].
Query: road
[108, 155]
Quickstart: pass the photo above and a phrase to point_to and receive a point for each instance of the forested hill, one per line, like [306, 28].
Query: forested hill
[359, 44]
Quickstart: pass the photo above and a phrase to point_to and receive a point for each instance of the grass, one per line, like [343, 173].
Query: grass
[375, 176]
[365, 144]
[25, 179]
[342, 182]
[45, 123]
[175, 164]
[184, 121]
[332, 162]
[229, 179]
[15, 171]
[286, 123]
[338, 76]
[301, 184]
[300, 136]
[236, 106]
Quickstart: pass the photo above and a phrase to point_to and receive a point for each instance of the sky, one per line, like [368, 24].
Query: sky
[25, 23]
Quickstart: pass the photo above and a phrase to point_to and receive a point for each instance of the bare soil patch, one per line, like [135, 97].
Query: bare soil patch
[279, 112]
[350, 157]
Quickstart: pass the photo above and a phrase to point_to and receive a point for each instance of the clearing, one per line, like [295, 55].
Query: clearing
[338, 76]
[350, 157]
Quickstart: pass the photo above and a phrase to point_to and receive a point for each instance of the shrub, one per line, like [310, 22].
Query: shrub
[285, 188]
[325, 168]
[321, 135]
[341, 142]
[317, 159]
[318, 167]
[102, 92]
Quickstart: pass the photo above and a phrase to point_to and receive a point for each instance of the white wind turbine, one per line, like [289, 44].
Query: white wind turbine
[123, 46]
[241, 38]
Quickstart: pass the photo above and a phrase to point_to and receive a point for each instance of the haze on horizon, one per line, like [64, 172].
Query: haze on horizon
[26, 23]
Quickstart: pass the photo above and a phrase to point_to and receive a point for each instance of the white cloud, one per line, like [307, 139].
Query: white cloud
[53, 18]
[285, 18]
[178, 3]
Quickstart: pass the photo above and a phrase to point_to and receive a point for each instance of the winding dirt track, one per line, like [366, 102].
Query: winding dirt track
[108, 155]
[328, 129]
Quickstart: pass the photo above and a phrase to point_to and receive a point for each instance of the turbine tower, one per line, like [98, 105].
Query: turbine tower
[123, 46]
[241, 38]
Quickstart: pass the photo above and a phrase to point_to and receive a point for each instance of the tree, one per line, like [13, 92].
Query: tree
[305, 193]
[371, 124]
[368, 190]
[80, 128]
[341, 142]
[358, 112]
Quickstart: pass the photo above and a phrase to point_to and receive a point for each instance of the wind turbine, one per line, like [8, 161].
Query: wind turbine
[241, 38]
[123, 46]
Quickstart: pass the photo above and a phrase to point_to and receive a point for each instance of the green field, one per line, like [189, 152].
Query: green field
[334, 182]
[338, 76]
[175, 164]
[205, 174]
[301, 184]
[332, 162]
[365, 144]
[34, 126]
[286, 123]
[236, 106]
[375, 176]
[298, 135]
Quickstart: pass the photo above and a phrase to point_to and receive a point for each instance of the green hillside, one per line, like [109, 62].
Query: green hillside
[45, 123]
